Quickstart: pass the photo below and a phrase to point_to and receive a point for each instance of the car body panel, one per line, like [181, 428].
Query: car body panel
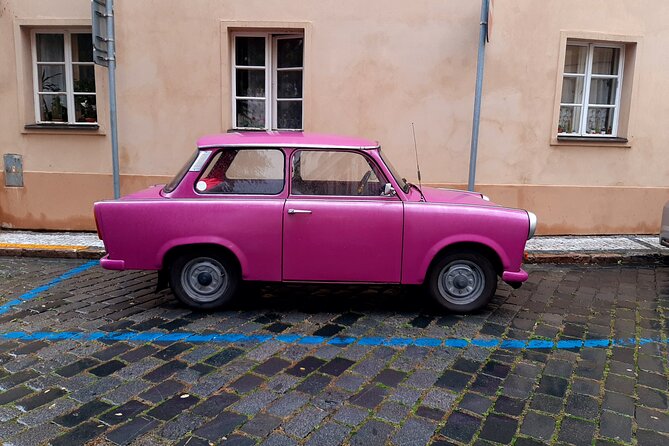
[343, 240]
[501, 229]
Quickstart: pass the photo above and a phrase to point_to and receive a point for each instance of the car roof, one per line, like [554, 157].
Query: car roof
[285, 139]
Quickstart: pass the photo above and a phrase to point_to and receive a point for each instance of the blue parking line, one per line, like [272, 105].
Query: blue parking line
[35, 292]
[298, 339]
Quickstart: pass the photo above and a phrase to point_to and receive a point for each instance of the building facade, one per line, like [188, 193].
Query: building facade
[572, 122]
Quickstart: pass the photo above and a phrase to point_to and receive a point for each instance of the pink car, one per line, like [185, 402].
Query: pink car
[298, 207]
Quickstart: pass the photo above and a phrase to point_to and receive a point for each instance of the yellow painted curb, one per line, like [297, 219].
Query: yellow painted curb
[45, 247]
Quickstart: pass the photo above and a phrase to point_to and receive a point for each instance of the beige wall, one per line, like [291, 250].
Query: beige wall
[371, 68]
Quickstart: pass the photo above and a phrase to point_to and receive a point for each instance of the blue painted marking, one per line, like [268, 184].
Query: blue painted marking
[567, 344]
[35, 292]
[312, 340]
[148, 336]
[398, 342]
[596, 343]
[288, 338]
[228, 338]
[428, 342]
[540, 343]
[513, 344]
[370, 341]
[341, 341]
[487, 343]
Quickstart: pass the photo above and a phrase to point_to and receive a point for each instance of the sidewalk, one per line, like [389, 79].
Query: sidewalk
[541, 249]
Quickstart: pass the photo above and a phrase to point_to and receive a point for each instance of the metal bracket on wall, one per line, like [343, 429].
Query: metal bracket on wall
[13, 170]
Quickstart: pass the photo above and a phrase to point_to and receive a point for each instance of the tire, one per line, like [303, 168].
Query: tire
[204, 279]
[462, 282]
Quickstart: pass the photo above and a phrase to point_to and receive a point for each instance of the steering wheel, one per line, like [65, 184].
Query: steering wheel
[363, 181]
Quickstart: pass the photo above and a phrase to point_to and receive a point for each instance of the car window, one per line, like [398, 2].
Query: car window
[244, 171]
[181, 174]
[331, 172]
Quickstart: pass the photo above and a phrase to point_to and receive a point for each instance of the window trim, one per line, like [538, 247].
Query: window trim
[271, 37]
[587, 81]
[213, 157]
[370, 160]
[69, 78]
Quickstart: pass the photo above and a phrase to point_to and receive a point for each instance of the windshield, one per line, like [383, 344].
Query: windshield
[398, 178]
[180, 175]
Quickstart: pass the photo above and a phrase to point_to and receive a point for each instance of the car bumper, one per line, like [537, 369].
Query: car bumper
[107, 263]
[514, 276]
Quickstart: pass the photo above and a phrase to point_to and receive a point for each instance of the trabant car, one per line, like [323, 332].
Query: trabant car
[299, 207]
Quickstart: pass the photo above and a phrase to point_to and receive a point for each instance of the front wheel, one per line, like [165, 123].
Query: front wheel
[204, 280]
[463, 282]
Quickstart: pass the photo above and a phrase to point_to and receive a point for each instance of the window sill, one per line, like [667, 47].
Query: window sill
[595, 141]
[73, 129]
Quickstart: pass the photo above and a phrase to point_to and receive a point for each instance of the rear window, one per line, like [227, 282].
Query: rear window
[180, 175]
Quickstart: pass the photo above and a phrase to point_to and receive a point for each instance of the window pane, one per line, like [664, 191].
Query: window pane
[250, 51]
[85, 108]
[334, 173]
[84, 78]
[575, 59]
[289, 84]
[600, 121]
[251, 83]
[605, 60]
[570, 119]
[290, 52]
[603, 91]
[53, 107]
[51, 77]
[289, 115]
[251, 113]
[572, 90]
[244, 172]
[82, 48]
[50, 48]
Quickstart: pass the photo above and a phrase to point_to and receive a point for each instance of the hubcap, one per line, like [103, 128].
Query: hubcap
[461, 282]
[204, 279]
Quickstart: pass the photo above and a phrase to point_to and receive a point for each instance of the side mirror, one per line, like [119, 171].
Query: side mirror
[388, 190]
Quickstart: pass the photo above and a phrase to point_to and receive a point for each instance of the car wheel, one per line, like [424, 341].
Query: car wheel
[204, 280]
[463, 282]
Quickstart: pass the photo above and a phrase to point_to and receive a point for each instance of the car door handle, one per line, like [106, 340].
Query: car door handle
[299, 211]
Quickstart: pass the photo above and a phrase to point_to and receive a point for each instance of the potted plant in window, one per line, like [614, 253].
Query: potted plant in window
[58, 111]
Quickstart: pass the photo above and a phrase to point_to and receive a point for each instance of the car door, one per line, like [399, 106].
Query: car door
[337, 225]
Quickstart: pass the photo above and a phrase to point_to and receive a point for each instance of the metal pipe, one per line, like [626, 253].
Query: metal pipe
[111, 57]
[477, 95]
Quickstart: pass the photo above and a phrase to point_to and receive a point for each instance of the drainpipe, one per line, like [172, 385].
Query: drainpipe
[477, 95]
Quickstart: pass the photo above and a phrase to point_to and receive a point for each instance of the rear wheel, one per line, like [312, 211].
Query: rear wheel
[463, 282]
[204, 279]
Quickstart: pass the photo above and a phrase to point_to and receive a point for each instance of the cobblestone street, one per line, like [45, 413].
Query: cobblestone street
[576, 356]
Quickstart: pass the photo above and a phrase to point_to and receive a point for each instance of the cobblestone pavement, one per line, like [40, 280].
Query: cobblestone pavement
[578, 355]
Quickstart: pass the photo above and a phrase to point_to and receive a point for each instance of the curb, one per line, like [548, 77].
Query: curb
[595, 258]
[88, 252]
[577, 258]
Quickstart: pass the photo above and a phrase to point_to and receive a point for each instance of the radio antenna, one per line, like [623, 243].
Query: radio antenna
[415, 147]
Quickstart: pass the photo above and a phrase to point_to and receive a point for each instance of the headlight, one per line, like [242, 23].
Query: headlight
[485, 197]
[533, 224]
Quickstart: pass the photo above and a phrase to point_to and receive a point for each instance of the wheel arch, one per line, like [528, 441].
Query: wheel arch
[481, 248]
[175, 251]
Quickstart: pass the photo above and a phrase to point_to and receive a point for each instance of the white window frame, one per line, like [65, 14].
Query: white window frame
[69, 76]
[271, 72]
[585, 99]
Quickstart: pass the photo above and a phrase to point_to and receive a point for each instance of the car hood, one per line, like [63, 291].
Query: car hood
[148, 193]
[436, 195]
